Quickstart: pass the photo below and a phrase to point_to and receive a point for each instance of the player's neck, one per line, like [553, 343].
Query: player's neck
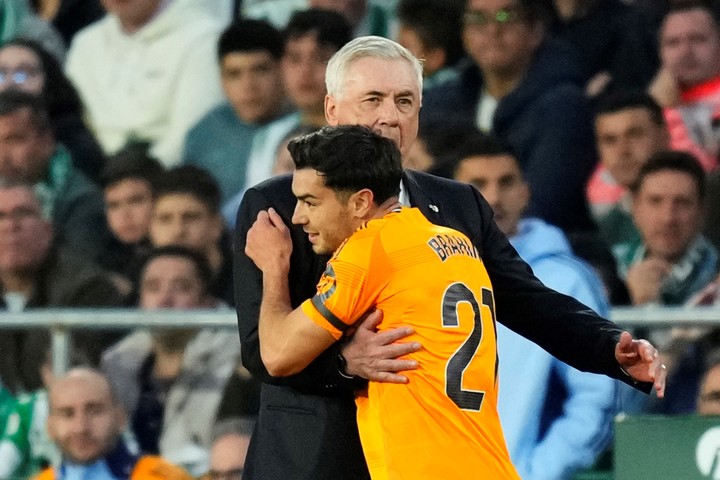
[392, 203]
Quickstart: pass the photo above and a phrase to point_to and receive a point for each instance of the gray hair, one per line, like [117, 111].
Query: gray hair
[369, 46]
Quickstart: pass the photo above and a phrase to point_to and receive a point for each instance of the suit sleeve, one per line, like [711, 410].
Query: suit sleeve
[322, 375]
[559, 324]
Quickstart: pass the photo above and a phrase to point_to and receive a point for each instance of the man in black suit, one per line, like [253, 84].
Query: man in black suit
[306, 427]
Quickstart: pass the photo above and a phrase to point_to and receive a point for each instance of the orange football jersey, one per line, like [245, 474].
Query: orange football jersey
[444, 423]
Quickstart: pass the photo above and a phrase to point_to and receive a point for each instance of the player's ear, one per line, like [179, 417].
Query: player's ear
[362, 203]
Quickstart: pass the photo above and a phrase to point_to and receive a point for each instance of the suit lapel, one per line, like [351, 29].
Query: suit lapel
[421, 198]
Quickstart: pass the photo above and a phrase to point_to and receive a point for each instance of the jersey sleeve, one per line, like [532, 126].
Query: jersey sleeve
[346, 290]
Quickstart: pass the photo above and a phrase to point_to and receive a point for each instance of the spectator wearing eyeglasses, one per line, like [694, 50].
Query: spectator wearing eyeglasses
[25, 65]
[30, 153]
[528, 91]
[36, 272]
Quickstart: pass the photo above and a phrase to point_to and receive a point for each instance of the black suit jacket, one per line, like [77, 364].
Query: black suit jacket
[306, 427]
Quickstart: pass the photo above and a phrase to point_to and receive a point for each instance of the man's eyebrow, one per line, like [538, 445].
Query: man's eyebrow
[406, 93]
[305, 196]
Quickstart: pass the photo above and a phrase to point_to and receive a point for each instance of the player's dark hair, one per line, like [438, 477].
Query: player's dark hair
[350, 158]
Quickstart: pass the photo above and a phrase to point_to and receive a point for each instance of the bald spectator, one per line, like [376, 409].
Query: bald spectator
[86, 422]
[146, 73]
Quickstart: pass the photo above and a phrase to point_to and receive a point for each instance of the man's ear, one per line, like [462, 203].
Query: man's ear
[435, 59]
[361, 203]
[331, 110]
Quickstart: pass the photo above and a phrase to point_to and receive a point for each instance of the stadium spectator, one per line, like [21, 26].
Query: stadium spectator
[527, 90]
[708, 399]
[146, 72]
[556, 419]
[25, 446]
[25, 65]
[17, 20]
[615, 43]
[630, 128]
[86, 422]
[688, 83]
[36, 272]
[432, 31]
[311, 38]
[186, 212]
[171, 380]
[672, 260]
[238, 133]
[227, 457]
[128, 181]
[29, 153]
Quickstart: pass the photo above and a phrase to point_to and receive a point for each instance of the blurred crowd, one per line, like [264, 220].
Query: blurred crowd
[130, 129]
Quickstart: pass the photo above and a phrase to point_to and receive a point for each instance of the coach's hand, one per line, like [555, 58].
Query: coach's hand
[640, 360]
[374, 355]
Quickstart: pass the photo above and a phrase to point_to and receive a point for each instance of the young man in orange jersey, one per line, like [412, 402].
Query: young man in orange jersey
[444, 422]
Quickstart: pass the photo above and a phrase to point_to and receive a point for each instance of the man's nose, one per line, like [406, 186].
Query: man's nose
[491, 194]
[80, 423]
[298, 217]
[388, 113]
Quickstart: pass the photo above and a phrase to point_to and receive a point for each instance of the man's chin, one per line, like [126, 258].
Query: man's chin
[320, 250]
